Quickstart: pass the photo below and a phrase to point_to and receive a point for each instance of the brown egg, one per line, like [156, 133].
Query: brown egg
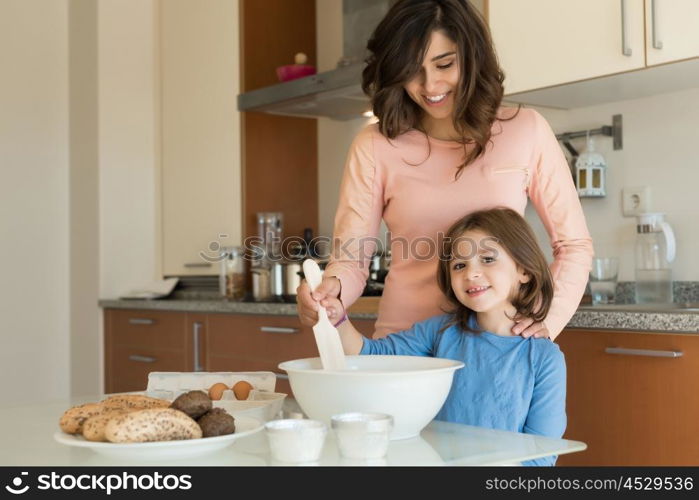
[216, 390]
[242, 390]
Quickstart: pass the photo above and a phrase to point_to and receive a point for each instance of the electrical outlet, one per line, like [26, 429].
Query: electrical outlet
[635, 200]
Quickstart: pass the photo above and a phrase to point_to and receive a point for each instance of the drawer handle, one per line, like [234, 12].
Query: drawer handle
[643, 352]
[278, 329]
[142, 359]
[197, 264]
[195, 339]
[281, 376]
[141, 321]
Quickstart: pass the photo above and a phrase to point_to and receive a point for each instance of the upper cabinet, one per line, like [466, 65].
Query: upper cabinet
[541, 43]
[547, 43]
[201, 151]
[672, 28]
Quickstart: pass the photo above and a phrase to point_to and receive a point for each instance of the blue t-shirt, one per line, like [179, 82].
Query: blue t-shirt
[508, 383]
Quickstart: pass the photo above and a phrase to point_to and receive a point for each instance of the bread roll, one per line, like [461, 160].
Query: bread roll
[154, 424]
[134, 401]
[94, 427]
[73, 418]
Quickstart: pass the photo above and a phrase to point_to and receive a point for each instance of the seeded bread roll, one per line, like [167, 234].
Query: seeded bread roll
[154, 424]
[94, 427]
[73, 419]
[134, 401]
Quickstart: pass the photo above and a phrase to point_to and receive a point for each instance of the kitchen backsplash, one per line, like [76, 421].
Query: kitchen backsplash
[683, 291]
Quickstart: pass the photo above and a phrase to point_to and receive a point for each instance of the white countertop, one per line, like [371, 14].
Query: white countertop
[26, 439]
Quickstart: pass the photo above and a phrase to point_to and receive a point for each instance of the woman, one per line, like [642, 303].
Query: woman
[444, 147]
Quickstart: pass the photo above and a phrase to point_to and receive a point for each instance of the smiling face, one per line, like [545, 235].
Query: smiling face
[433, 87]
[483, 276]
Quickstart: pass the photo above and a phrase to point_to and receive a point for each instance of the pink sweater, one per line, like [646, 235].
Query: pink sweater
[413, 189]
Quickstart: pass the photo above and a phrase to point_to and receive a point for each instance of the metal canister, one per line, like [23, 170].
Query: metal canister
[292, 278]
[277, 279]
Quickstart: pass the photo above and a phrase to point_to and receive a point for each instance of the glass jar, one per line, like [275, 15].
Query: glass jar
[232, 279]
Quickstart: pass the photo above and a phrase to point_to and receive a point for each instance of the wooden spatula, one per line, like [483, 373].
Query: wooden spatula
[327, 337]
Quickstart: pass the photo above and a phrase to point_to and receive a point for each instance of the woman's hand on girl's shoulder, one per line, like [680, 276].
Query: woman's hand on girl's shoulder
[527, 327]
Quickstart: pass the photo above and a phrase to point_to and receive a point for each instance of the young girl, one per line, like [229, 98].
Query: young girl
[493, 274]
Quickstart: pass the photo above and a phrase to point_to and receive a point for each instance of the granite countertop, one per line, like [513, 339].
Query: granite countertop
[622, 317]
[215, 306]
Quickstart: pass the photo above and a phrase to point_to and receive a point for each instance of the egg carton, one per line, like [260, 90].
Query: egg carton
[262, 405]
[169, 385]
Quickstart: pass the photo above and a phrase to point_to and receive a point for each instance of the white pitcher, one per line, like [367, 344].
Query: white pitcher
[655, 251]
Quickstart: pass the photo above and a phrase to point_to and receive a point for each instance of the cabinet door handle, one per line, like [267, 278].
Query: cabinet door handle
[643, 352]
[195, 339]
[142, 359]
[278, 329]
[141, 321]
[625, 49]
[657, 43]
[197, 264]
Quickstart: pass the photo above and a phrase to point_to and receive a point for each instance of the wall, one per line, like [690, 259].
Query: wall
[660, 137]
[34, 213]
[129, 146]
[85, 341]
[79, 154]
[334, 137]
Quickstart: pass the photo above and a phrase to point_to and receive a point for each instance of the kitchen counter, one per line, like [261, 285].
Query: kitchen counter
[620, 317]
[26, 439]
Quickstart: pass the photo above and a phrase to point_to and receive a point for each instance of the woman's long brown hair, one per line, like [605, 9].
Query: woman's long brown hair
[396, 51]
[515, 236]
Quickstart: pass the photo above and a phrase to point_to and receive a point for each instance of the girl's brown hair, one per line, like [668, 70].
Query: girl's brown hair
[396, 51]
[515, 236]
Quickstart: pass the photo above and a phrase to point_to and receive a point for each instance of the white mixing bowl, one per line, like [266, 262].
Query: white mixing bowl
[410, 388]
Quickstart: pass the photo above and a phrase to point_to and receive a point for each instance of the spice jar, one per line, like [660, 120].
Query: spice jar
[261, 284]
[232, 279]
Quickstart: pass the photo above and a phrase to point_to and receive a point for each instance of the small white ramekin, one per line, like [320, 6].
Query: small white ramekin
[296, 440]
[362, 435]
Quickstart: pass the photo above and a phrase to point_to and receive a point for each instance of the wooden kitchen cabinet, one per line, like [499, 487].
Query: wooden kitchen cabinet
[201, 135]
[280, 153]
[238, 342]
[542, 43]
[632, 409]
[137, 342]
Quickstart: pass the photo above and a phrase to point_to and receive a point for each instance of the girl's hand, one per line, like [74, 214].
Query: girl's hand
[334, 308]
[527, 327]
[307, 305]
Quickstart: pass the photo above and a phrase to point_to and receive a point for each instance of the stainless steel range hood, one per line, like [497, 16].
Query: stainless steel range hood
[333, 94]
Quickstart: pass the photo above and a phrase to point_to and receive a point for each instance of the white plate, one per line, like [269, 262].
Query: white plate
[185, 448]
